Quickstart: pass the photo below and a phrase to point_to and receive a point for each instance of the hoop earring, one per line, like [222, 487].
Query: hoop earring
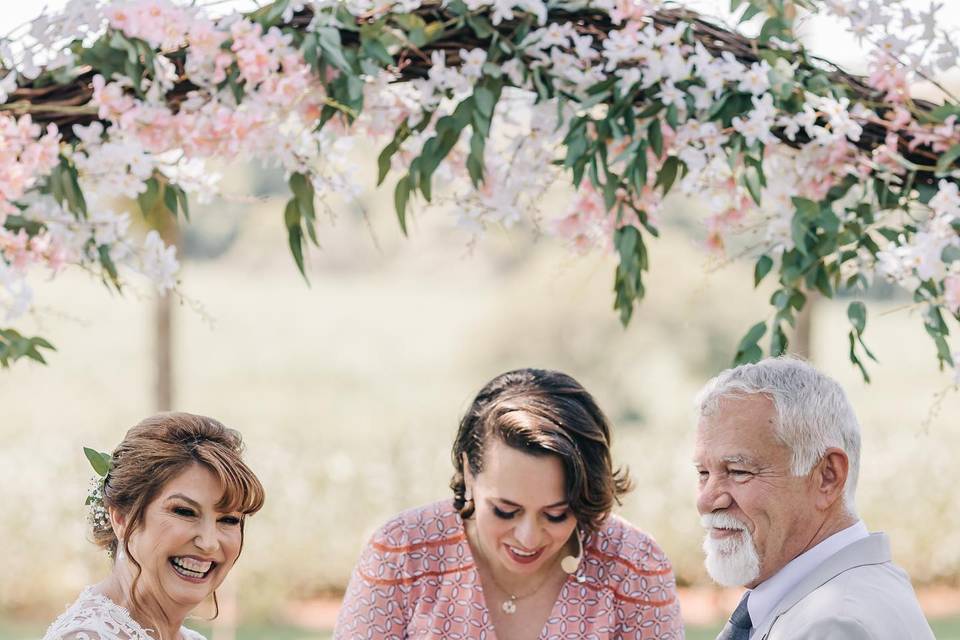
[570, 564]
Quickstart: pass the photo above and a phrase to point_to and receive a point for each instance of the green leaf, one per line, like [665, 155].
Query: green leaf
[950, 254]
[751, 180]
[764, 264]
[748, 350]
[184, 203]
[148, 199]
[401, 196]
[100, 462]
[668, 173]
[376, 50]
[292, 220]
[778, 341]
[328, 39]
[303, 191]
[945, 162]
[481, 26]
[485, 101]
[103, 252]
[170, 199]
[857, 313]
[656, 137]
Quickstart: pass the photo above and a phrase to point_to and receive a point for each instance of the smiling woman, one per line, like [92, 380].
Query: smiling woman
[176, 497]
[527, 548]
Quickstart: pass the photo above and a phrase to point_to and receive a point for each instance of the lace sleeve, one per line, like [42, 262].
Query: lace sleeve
[77, 634]
[95, 617]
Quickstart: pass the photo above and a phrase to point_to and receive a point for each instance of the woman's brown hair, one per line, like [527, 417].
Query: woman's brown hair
[159, 449]
[543, 413]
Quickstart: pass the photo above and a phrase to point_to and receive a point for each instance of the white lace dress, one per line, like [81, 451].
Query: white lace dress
[97, 617]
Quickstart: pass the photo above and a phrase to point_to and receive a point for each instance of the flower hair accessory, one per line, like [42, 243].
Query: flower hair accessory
[102, 463]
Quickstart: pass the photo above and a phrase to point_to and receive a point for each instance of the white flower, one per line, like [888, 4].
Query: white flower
[702, 97]
[756, 79]
[947, 200]
[670, 95]
[7, 86]
[159, 262]
[472, 62]
[583, 47]
[629, 77]
[756, 127]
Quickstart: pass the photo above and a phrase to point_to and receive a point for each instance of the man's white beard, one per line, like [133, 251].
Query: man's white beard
[731, 561]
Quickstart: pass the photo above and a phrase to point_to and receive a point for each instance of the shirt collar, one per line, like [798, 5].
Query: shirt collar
[765, 596]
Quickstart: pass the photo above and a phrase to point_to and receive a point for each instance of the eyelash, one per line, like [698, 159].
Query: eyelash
[189, 513]
[508, 515]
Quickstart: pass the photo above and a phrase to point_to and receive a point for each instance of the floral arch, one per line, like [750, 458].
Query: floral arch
[844, 181]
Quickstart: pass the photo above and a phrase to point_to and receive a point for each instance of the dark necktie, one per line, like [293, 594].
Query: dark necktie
[739, 625]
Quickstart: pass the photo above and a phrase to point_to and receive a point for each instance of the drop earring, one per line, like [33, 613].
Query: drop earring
[570, 564]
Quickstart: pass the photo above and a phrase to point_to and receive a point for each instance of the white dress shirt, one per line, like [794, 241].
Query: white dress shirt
[765, 596]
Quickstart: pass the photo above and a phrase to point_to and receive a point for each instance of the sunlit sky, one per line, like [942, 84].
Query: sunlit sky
[824, 37]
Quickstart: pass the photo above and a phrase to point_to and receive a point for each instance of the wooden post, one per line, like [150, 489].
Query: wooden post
[163, 317]
[802, 344]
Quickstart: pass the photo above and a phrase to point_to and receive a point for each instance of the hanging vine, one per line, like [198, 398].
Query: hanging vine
[848, 180]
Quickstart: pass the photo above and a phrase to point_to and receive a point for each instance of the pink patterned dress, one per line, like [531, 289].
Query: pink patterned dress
[417, 579]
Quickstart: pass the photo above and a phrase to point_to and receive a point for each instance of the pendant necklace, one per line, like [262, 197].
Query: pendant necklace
[509, 606]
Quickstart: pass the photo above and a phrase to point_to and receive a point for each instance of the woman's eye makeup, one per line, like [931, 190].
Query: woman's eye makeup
[230, 520]
[500, 513]
[186, 512]
[507, 515]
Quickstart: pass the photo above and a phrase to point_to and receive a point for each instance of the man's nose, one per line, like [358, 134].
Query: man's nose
[713, 496]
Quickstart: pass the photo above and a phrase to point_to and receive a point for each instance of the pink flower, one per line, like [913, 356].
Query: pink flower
[110, 99]
[951, 294]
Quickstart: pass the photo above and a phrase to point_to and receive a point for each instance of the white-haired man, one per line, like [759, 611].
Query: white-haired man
[778, 450]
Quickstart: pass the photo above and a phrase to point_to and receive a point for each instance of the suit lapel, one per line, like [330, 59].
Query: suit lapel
[874, 549]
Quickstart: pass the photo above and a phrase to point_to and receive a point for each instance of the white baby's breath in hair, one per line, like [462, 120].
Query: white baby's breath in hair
[97, 514]
[96, 511]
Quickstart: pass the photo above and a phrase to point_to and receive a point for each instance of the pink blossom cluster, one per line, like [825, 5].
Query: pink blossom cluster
[161, 23]
[21, 250]
[28, 154]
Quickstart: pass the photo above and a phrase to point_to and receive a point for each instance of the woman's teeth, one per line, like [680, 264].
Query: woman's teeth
[191, 568]
[525, 554]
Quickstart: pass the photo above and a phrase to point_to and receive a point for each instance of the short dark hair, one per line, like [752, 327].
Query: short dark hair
[543, 412]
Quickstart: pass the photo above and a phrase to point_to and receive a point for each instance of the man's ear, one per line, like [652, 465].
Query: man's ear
[830, 476]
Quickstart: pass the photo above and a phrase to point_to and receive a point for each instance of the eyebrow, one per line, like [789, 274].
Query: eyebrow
[735, 459]
[180, 496]
[562, 503]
